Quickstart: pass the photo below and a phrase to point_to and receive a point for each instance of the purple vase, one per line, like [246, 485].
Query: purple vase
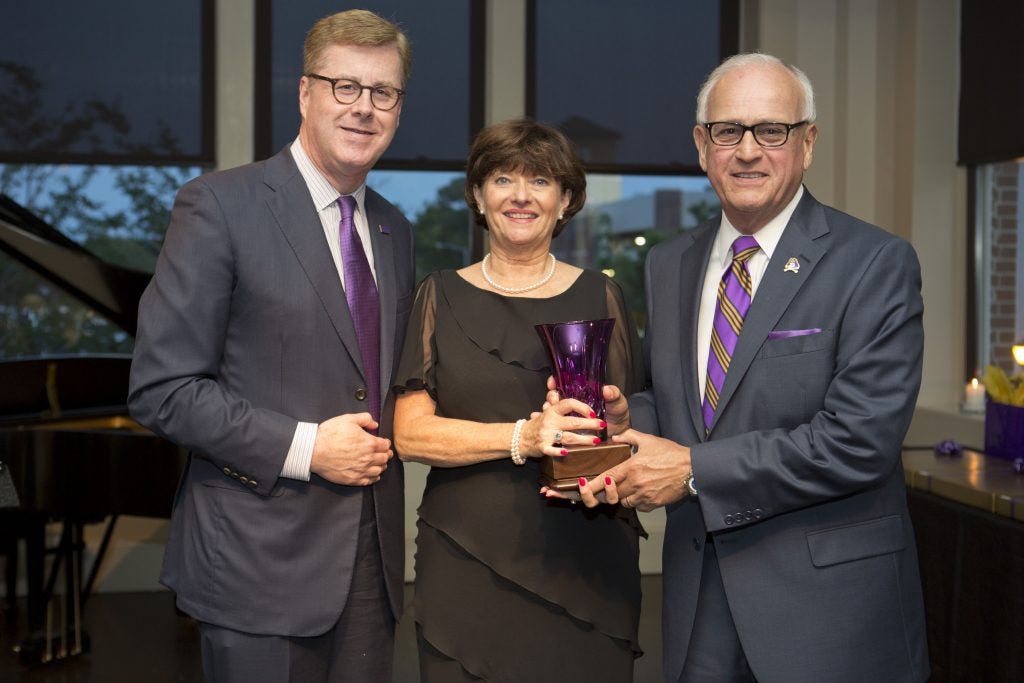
[579, 353]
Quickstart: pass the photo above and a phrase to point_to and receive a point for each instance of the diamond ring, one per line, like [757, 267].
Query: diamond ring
[558, 438]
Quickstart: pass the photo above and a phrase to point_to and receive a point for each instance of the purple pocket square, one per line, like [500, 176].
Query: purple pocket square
[384, 230]
[785, 334]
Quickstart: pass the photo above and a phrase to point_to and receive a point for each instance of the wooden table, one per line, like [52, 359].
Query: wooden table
[973, 479]
[968, 514]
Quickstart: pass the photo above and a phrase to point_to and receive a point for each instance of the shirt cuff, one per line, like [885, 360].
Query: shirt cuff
[300, 454]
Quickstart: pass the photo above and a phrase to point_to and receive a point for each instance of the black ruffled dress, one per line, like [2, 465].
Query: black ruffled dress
[510, 586]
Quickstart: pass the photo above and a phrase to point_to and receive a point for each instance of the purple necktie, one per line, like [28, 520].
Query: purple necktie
[363, 303]
[733, 303]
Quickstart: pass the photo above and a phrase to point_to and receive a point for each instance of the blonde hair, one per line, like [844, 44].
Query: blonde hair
[354, 27]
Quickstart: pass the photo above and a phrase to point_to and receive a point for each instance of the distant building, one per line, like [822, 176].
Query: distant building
[668, 211]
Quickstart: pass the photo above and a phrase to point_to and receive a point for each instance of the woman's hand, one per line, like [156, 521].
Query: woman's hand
[616, 409]
[559, 426]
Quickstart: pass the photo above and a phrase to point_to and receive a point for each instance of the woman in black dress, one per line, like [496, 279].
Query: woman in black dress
[511, 585]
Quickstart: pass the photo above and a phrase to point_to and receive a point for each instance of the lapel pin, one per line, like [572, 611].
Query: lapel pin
[792, 266]
[384, 230]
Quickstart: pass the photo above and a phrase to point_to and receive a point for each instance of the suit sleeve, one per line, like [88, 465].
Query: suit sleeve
[852, 442]
[178, 388]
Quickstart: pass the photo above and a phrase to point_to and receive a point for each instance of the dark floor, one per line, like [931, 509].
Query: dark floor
[139, 637]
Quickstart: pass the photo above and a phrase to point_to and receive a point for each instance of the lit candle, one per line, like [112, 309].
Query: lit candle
[974, 397]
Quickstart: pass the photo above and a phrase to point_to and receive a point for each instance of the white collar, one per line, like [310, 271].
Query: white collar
[767, 237]
[324, 194]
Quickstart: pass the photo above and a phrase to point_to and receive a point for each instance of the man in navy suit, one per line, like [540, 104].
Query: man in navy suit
[789, 554]
[266, 344]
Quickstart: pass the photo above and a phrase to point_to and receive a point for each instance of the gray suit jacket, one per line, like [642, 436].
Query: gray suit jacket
[800, 482]
[243, 332]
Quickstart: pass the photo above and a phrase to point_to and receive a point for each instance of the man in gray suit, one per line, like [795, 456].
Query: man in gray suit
[784, 374]
[266, 344]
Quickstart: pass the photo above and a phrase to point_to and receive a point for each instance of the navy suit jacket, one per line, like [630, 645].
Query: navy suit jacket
[243, 332]
[800, 483]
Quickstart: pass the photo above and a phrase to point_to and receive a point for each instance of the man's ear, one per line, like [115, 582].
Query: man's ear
[700, 139]
[809, 139]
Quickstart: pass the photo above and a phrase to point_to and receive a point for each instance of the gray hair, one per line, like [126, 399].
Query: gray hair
[749, 59]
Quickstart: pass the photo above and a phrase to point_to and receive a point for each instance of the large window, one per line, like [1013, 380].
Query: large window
[107, 109]
[622, 80]
[117, 81]
[443, 105]
[999, 262]
[990, 143]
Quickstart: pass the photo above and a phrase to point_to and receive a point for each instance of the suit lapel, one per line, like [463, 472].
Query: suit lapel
[296, 216]
[777, 289]
[692, 269]
[384, 265]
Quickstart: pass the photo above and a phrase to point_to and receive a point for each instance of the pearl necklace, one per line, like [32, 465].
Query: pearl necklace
[517, 290]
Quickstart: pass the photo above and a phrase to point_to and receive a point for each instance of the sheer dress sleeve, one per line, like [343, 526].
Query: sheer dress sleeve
[416, 367]
[625, 362]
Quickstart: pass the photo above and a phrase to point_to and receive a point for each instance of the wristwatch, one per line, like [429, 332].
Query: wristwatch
[688, 483]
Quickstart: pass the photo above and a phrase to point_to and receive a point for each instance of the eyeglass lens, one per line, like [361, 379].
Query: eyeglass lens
[766, 134]
[383, 97]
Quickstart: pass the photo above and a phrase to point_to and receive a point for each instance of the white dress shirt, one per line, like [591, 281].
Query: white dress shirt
[720, 260]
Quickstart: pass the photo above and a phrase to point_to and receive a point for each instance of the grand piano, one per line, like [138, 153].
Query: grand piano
[67, 444]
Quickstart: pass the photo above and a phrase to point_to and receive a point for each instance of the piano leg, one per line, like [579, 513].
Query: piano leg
[35, 564]
[61, 635]
[9, 551]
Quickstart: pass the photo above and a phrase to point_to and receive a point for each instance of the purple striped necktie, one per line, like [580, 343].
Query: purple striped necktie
[363, 302]
[734, 293]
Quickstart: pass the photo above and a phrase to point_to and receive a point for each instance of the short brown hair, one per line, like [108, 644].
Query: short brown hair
[529, 147]
[354, 27]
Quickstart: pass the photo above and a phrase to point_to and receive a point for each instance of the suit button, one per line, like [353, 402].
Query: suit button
[235, 475]
[748, 515]
[696, 543]
[252, 483]
[244, 480]
[360, 394]
[728, 519]
[227, 470]
[757, 513]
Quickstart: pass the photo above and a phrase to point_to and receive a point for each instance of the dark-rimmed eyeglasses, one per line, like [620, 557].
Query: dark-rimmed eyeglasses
[729, 134]
[347, 91]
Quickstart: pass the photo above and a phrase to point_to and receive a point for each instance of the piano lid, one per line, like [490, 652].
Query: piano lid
[114, 291]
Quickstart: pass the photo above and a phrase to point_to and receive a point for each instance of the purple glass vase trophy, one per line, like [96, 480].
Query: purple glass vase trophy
[579, 353]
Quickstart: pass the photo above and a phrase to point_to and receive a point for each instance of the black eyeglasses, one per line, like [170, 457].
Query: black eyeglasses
[729, 134]
[347, 91]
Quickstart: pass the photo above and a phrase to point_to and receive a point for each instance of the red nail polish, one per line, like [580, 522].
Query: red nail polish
[607, 481]
[593, 414]
[582, 482]
[596, 441]
[603, 424]
[563, 452]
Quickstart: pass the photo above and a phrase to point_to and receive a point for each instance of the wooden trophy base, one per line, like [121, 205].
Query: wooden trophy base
[563, 473]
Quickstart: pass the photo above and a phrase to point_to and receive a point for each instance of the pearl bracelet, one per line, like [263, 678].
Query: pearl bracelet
[517, 458]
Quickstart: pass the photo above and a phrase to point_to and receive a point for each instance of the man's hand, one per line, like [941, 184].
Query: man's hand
[652, 478]
[345, 453]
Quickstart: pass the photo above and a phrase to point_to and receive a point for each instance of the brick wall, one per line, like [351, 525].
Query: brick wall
[1006, 283]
